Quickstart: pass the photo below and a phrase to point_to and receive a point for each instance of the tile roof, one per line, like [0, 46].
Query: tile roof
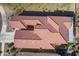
[41, 26]
[16, 24]
[26, 35]
[17, 18]
[47, 29]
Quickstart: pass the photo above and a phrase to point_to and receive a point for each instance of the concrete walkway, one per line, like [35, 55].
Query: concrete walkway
[3, 27]
[5, 37]
[4, 21]
[2, 49]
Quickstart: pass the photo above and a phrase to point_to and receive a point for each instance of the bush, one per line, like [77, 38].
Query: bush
[69, 44]
[10, 44]
[61, 49]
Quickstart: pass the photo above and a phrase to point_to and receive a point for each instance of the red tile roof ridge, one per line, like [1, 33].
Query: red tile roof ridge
[63, 38]
[53, 20]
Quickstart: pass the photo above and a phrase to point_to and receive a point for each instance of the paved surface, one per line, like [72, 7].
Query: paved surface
[37, 54]
[7, 37]
[4, 21]
[2, 49]
[4, 36]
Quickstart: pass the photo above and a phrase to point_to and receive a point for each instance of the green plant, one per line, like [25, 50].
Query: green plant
[61, 49]
[10, 44]
[69, 44]
[61, 46]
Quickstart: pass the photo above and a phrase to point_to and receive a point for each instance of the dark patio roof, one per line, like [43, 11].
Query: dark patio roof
[55, 13]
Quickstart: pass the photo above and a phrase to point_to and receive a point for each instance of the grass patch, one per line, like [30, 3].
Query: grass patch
[77, 29]
[38, 6]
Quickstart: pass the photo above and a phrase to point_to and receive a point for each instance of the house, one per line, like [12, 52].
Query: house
[35, 32]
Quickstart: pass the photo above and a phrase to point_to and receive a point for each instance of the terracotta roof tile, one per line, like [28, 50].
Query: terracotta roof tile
[26, 35]
[50, 30]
